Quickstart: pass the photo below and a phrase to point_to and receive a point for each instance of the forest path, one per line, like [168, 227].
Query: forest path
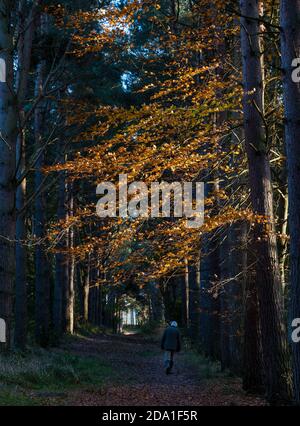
[140, 378]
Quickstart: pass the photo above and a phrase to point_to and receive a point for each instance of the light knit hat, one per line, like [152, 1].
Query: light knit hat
[174, 324]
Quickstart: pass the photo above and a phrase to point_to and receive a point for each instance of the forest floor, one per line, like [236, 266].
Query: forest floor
[116, 370]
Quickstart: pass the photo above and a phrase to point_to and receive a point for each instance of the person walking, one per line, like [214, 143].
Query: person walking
[170, 343]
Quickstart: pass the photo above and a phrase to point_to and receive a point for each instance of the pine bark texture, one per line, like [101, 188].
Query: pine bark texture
[8, 134]
[290, 47]
[275, 360]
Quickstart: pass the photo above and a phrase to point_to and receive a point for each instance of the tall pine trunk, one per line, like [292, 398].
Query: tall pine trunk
[42, 282]
[267, 278]
[26, 31]
[290, 49]
[68, 284]
[71, 303]
[61, 261]
[194, 297]
[225, 284]
[20, 336]
[253, 378]
[186, 295]
[86, 290]
[238, 267]
[8, 132]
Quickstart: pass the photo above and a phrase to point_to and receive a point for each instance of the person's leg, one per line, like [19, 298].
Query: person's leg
[167, 360]
[171, 359]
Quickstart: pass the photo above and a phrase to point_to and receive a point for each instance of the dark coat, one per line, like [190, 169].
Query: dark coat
[171, 339]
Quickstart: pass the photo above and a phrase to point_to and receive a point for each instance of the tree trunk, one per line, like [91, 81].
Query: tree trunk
[21, 253]
[42, 283]
[194, 297]
[69, 295]
[238, 268]
[65, 283]
[252, 356]
[225, 315]
[26, 31]
[86, 290]
[267, 270]
[61, 259]
[186, 295]
[156, 302]
[290, 48]
[71, 305]
[8, 129]
[92, 304]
